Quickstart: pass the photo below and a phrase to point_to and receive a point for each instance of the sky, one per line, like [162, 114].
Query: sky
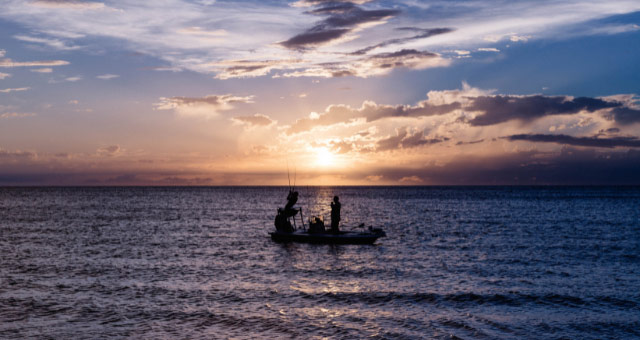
[351, 92]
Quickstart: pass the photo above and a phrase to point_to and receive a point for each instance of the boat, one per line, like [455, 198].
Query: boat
[343, 237]
[314, 231]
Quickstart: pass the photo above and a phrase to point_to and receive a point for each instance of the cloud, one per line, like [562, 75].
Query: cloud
[109, 151]
[513, 37]
[470, 142]
[625, 114]
[4, 75]
[615, 29]
[314, 37]
[381, 63]
[531, 167]
[257, 120]
[502, 108]
[411, 180]
[423, 33]
[250, 68]
[68, 4]
[15, 89]
[6, 62]
[196, 30]
[107, 76]
[373, 65]
[374, 178]
[54, 43]
[42, 70]
[207, 107]
[517, 38]
[488, 49]
[16, 156]
[190, 36]
[343, 18]
[528, 167]
[68, 79]
[370, 111]
[611, 142]
[404, 140]
[477, 108]
[8, 115]
[307, 3]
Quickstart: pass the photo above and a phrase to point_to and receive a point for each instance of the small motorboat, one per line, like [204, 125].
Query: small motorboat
[343, 237]
[315, 231]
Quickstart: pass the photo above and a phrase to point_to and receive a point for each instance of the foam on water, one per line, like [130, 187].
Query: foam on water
[458, 262]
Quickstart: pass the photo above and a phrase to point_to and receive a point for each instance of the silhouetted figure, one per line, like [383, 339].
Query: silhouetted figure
[282, 219]
[292, 199]
[335, 215]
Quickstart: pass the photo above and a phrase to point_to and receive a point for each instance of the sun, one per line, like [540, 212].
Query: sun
[324, 157]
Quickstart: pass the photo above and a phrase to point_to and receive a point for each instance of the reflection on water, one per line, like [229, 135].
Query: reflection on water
[198, 263]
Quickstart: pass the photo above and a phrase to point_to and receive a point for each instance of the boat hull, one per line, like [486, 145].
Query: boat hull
[344, 237]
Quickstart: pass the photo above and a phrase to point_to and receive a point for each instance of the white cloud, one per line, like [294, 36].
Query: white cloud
[107, 76]
[488, 49]
[4, 75]
[411, 180]
[54, 43]
[6, 62]
[8, 115]
[204, 107]
[11, 63]
[68, 4]
[517, 38]
[196, 30]
[257, 120]
[15, 89]
[615, 29]
[42, 70]
[199, 36]
[109, 151]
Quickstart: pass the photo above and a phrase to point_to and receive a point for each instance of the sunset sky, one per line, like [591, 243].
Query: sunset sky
[205, 92]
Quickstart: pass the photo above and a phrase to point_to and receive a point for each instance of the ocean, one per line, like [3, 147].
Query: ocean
[198, 263]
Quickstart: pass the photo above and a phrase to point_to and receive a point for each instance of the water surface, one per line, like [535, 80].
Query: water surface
[458, 262]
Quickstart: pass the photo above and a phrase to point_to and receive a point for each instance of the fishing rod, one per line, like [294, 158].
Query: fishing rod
[288, 176]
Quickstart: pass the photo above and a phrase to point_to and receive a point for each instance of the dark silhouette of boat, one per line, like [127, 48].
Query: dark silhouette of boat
[315, 231]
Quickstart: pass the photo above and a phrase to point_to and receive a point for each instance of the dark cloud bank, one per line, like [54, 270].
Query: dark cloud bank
[491, 110]
[569, 167]
[595, 141]
[498, 109]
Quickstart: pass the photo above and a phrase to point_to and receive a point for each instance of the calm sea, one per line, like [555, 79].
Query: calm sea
[458, 262]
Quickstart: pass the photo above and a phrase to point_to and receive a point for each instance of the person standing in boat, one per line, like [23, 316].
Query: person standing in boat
[335, 215]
